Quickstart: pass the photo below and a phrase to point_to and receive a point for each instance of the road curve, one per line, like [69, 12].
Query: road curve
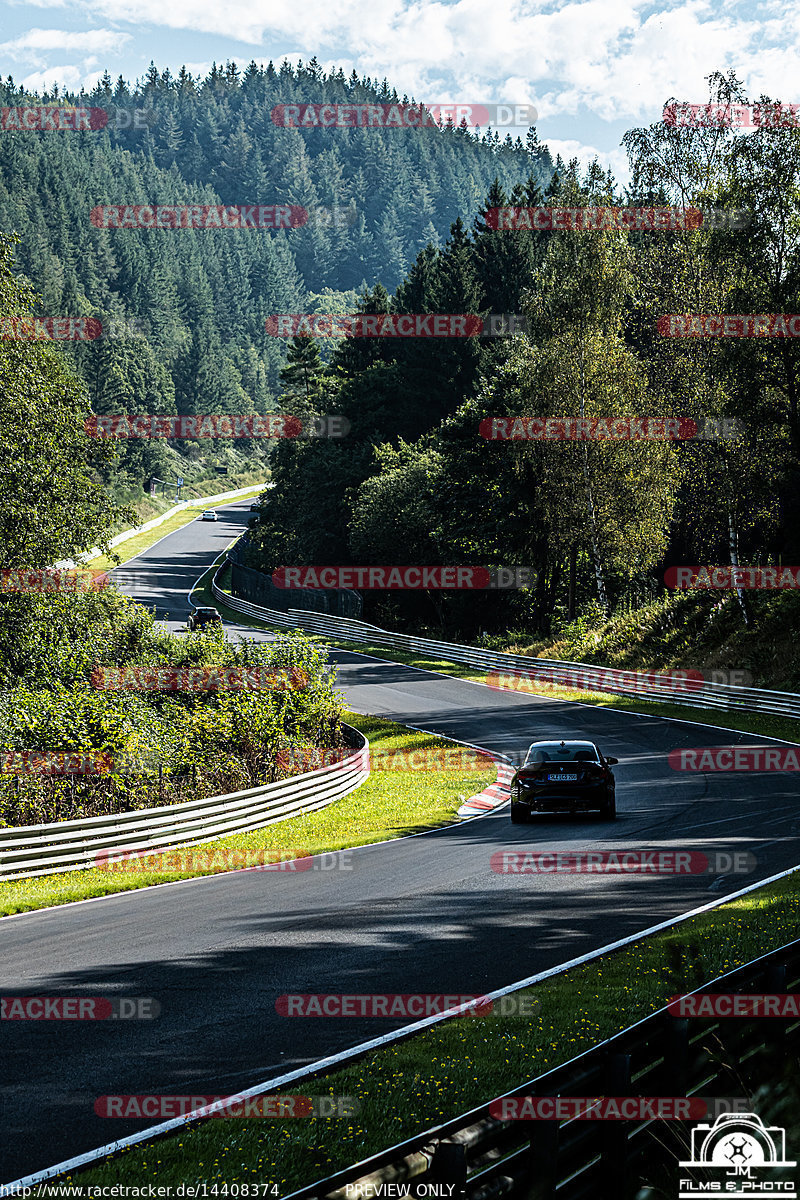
[422, 914]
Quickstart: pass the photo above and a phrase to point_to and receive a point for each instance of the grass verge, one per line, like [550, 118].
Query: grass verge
[757, 723]
[434, 1076]
[390, 804]
[143, 541]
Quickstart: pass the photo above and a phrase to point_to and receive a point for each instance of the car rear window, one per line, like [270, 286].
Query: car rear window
[552, 752]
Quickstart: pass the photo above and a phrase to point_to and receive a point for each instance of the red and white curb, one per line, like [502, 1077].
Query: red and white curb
[494, 795]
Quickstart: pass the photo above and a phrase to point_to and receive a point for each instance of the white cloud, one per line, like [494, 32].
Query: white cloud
[36, 46]
[68, 77]
[617, 159]
[618, 60]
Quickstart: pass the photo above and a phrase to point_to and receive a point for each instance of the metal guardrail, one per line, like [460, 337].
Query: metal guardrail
[30, 850]
[322, 1068]
[254, 587]
[633, 684]
[484, 1158]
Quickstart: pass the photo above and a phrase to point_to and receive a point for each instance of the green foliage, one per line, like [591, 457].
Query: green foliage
[597, 520]
[50, 504]
[190, 307]
[161, 746]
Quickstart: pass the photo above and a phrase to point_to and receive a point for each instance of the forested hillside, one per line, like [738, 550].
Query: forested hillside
[191, 305]
[600, 520]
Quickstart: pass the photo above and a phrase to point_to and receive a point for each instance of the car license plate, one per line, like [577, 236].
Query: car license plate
[563, 778]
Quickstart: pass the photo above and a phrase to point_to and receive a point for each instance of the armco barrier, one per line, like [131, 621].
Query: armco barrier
[616, 682]
[29, 850]
[127, 534]
[478, 1156]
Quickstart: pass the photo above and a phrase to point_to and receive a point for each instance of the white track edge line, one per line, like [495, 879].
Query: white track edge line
[151, 887]
[374, 1043]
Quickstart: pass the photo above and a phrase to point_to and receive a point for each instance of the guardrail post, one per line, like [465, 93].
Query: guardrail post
[614, 1155]
[775, 977]
[676, 1057]
[449, 1165]
[543, 1161]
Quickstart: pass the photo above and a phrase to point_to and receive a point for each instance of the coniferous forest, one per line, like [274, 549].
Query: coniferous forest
[414, 482]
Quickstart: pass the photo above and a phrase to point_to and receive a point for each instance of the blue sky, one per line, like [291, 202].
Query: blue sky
[592, 68]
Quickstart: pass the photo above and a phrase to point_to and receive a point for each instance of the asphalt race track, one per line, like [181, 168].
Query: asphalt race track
[423, 914]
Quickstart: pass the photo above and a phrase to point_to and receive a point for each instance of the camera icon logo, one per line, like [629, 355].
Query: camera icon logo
[740, 1143]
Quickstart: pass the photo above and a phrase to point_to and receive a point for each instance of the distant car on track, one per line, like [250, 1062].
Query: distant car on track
[255, 507]
[199, 617]
[563, 777]
[208, 515]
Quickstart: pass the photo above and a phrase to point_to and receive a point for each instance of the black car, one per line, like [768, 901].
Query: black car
[563, 777]
[199, 617]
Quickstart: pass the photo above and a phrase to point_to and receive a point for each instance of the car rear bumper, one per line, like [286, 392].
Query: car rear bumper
[548, 801]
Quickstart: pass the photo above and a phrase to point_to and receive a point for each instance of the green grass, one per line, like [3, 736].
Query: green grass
[389, 805]
[756, 723]
[143, 541]
[460, 1064]
[690, 629]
